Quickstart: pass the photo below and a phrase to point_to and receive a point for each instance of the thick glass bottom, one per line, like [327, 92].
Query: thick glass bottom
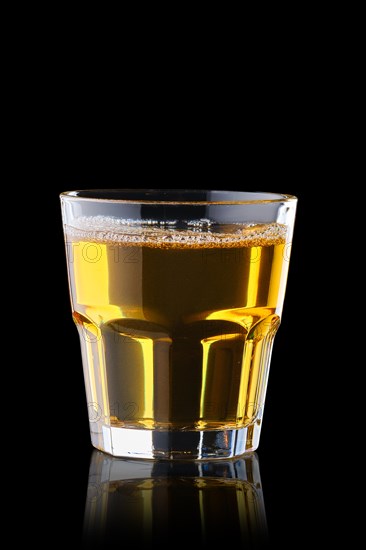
[177, 445]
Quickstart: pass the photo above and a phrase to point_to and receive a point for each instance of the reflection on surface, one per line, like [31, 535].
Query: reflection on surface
[202, 503]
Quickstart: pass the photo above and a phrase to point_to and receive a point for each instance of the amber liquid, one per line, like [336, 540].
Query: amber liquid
[177, 334]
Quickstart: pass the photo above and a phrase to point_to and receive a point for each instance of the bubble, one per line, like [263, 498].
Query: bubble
[202, 233]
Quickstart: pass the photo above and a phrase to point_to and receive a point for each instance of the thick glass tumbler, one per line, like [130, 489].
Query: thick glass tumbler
[177, 296]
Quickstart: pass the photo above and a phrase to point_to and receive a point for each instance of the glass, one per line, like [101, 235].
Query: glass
[156, 501]
[177, 296]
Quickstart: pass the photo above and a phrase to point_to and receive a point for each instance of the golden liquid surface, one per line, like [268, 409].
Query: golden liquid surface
[176, 327]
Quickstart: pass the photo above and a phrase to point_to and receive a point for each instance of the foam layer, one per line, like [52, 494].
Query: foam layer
[172, 234]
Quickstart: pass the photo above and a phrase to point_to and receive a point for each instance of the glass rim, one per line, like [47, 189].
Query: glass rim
[277, 197]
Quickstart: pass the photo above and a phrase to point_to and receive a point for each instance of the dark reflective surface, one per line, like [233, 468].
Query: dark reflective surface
[190, 503]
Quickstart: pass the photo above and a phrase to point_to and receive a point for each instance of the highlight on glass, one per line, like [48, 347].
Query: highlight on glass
[177, 296]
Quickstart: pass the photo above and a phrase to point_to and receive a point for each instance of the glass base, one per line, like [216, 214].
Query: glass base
[175, 445]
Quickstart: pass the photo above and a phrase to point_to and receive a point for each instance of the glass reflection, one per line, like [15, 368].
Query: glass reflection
[184, 502]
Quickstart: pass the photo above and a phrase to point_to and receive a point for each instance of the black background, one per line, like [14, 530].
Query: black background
[289, 469]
